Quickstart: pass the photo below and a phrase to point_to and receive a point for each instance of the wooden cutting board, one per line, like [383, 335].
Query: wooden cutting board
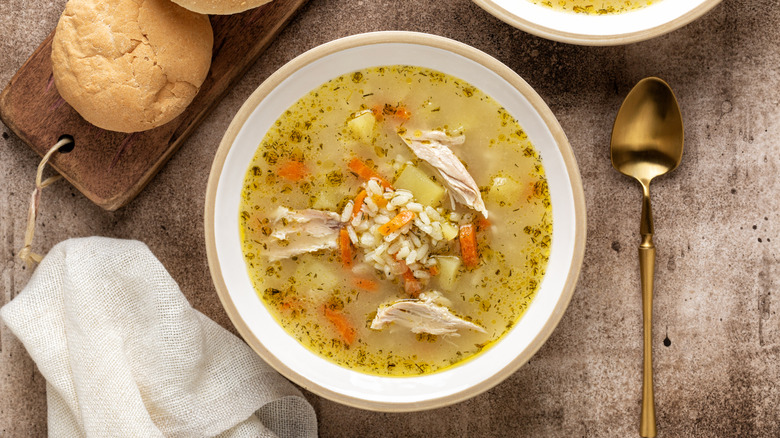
[111, 168]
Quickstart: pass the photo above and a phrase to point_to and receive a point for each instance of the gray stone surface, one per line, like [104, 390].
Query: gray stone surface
[716, 217]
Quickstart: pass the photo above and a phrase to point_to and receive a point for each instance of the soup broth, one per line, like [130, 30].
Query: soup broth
[596, 7]
[317, 162]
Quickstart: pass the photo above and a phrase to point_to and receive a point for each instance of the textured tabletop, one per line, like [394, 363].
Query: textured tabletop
[716, 321]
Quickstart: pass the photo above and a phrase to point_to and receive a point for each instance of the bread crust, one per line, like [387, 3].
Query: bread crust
[130, 65]
[220, 7]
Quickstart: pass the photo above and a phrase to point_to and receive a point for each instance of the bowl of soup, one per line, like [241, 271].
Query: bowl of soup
[395, 221]
[597, 23]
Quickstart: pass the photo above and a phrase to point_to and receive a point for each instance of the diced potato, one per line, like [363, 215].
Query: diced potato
[425, 190]
[328, 198]
[449, 231]
[505, 190]
[315, 280]
[362, 125]
[448, 271]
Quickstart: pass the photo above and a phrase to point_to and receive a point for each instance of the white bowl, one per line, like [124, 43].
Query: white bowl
[598, 30]
[283, 352]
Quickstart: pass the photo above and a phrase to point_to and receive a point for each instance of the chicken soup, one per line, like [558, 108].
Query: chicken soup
[597, 7]
[396, 221]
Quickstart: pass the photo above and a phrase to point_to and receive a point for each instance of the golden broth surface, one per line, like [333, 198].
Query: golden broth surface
[513, 249]
[595, 7]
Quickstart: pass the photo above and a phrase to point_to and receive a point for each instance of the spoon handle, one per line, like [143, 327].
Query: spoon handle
[647, 269]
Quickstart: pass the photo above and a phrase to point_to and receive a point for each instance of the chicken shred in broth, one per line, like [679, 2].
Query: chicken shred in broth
[396, 220]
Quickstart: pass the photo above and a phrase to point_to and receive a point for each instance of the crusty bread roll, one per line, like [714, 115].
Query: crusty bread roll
[220, 7]
[128, 65]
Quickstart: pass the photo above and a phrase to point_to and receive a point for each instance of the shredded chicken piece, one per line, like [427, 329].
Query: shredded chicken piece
[433, 147]
[435, 297]
[298, 232]
[422, 316]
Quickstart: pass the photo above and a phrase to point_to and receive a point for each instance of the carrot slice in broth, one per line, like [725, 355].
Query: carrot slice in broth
[293, 170]
[365, 284]
[362, 170]
[467, 236]
[342, 325]
[345, 247]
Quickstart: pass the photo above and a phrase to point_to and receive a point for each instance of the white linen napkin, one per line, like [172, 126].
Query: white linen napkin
[124, 354]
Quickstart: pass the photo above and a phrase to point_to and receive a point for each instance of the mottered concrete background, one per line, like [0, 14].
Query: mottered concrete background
[717, 327]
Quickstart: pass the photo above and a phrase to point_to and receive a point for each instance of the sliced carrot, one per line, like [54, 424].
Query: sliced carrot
[396, 112]
[482, 224]
[365, 284]
[293, 170]
[345, 245]
[529, 190]
[433, 270]
[402, 113]
[364, 171]
[397, 222]
[359, 199]
[377, 110]
[468, 245]
[341, 324]
[291, 304]
[412, 285]
[380, 201]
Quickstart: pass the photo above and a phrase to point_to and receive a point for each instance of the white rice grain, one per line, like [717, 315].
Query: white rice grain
[352, 235]
[398, 201]
[372, 207]
[392, 236]
[373, 188]
[381, 219]
[403, 252]
[411, 258]
[421, 275]
[392, 249]
[347, 213]
[367, 239]
[404, 193]
[424, 218]
[423, 251]
[382, 248]
[415, 207]
[436, 233]
[363, 227]
[357, 219]
[433, 214]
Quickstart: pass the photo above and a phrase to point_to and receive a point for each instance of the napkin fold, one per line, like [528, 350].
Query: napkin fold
[124, 354]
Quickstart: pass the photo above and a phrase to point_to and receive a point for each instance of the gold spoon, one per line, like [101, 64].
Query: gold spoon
[647, 141]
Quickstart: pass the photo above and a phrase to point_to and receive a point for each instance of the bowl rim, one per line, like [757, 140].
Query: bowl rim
[438, 42]
[594, 40]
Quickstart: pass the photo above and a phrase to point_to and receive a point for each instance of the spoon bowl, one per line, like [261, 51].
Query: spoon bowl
[647, 138]
[647, 141]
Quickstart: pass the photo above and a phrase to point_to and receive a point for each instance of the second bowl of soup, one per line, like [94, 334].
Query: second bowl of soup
[597, 23]
[395, 221]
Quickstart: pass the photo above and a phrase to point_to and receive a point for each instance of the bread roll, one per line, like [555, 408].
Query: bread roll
[129, 65]
[220, 7]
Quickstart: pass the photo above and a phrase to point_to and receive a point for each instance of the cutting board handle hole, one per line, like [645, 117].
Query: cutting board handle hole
[67, 147]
